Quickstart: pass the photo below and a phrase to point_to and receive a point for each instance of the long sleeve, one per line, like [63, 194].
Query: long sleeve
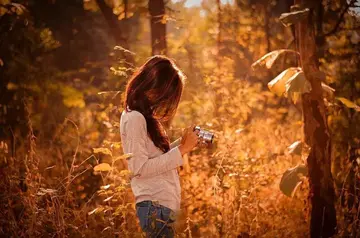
[175, 143]
[136, 143]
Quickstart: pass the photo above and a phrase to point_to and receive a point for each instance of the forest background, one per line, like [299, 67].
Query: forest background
[63, 70]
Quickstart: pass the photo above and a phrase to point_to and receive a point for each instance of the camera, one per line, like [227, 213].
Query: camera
[205, 136]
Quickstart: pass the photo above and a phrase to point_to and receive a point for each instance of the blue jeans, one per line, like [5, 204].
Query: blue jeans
[155, 220]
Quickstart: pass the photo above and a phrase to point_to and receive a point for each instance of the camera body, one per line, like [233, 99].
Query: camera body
[205, 136]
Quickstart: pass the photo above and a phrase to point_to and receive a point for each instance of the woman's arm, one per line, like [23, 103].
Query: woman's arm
[140, 163]
[175, 143]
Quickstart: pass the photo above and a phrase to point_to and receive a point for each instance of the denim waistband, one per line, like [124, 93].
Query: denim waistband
[148, 203]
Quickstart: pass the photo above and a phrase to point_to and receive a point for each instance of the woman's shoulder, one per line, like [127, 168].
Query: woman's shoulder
[133, 115]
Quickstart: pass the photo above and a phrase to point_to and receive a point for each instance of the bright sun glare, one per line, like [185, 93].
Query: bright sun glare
[195, 3]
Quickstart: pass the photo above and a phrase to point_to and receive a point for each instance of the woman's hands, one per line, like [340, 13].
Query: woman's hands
[189, 140]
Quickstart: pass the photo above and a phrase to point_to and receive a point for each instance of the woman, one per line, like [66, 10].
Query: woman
[152, 98]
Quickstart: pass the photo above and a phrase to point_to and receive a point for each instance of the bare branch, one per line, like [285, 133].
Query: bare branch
[350, 28]
[341, 18]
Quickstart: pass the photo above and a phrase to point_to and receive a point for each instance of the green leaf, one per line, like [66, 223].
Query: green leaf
[348, 103]
[102, 167]
[291, 179]
[294, 17]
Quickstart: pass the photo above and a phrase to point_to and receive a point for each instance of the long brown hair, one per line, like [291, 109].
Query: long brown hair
[155, 90]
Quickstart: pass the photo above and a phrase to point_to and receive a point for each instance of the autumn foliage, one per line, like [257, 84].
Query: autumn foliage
[63, 69]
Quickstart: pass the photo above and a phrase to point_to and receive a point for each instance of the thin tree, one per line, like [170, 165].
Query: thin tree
[219, 35]
[158, 26]
[317, 136]
[114, 24]
[267, 15]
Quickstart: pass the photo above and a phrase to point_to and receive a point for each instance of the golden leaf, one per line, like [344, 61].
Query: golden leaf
[269, 59]
[292, 178]
[349, 103]
[102, 167]
[297, 85]
[72, 97]
[105, 151]
[278, 84]
[293, 17]
[124, 156]
[295, 148]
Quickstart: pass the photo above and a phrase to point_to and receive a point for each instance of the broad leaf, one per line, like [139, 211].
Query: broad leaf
[349, 103]
[102, 167]
[297, 85]
[295, 148]
[291, 179]
[294, 17]
[278, 84]
[268, 60]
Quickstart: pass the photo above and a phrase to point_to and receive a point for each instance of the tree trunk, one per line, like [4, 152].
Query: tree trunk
[115, 30]
[267, 15]
[317, 136]
[219, 35]
[158, 26]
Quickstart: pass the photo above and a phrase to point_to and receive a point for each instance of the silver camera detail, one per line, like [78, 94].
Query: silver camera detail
[205, 136]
